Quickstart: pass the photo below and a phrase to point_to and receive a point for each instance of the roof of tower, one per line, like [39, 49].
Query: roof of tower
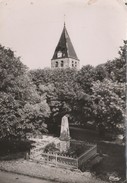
[65, 46]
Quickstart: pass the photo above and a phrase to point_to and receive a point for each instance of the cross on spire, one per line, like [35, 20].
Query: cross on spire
[64, 19]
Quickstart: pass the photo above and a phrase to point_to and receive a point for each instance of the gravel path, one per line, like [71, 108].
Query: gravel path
[7, 177]
[46, 172]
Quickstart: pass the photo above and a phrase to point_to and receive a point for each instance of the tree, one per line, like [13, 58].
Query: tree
[16, 92]
[109, 102]
[85, 77]
[35, 115]
[117, 68]
[100, 72]
[76, 92]
[59, 86]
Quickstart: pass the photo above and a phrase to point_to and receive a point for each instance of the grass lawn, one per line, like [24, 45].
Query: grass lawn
[84, 135]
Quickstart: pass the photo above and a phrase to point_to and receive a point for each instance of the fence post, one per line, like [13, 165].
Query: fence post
[77, 163]
[56, 159]
[47, 157]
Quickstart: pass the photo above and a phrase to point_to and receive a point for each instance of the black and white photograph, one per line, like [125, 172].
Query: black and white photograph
[63, 91]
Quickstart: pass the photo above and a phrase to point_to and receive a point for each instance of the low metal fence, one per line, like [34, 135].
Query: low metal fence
[60, 160]
[67, 161]
[87, 155]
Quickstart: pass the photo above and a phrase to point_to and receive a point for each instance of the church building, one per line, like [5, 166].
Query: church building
[65, 55]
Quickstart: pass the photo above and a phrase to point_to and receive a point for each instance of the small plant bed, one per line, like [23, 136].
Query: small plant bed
[77, 148]
[50, 153]
[78, 153]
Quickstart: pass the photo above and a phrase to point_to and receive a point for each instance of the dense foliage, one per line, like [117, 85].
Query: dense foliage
[21, 108]
[95, 94]
[31, 100]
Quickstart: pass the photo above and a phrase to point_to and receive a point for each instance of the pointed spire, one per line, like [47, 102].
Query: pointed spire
[65, 46]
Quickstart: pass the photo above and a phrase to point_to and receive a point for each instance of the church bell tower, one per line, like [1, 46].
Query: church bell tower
[65, 55]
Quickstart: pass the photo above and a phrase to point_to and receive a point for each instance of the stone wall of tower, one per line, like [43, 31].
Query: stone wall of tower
[60, 63]
[65, 63]
[73, 63]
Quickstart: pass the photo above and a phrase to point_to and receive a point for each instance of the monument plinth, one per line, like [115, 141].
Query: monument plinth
[64, 135]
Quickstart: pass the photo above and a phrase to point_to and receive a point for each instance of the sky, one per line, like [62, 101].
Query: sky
[32, 28]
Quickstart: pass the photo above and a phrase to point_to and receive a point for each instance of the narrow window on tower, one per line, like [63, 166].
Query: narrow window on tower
[56, 64]
[62, 63]
[72, 63]
[75, 64]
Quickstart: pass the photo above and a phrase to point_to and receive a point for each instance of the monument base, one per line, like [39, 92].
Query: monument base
[64, 146]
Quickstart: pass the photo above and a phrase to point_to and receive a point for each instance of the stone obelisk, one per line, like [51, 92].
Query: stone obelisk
[64, 134]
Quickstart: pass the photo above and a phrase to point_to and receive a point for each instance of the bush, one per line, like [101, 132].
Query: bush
[14, 146]
[50, 148]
